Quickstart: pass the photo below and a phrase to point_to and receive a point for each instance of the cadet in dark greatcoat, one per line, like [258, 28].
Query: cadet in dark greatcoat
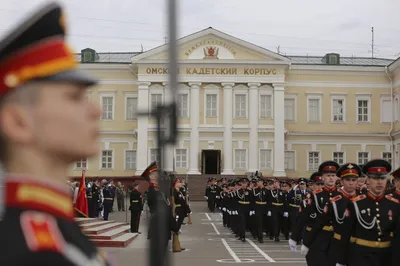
[136, 207]
[373, 218]
[46, 124]
[243, 197]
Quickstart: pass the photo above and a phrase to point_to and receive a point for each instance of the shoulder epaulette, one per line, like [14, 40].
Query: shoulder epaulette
[317, 191]
[389, 197]
[338, 197]
[41, 232]
[359, 197]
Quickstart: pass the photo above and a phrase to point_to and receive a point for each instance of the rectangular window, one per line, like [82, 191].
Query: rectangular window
[156, 100]
[130, 160]
[182, 104]
[386, 110]
[265, 159]
[314, 110]
[211, 105]
[363, 111]
[313, 160]
[338, 110]
[363, 157]
[181, 158]
[107, 104]
[82, 164]
[240, 159]
[290, 160]
[265, 106]
[107, 159]
[240, 106]
[387, 156]
[154, 155]
[289, 109]
[131, 107]
[338, 157]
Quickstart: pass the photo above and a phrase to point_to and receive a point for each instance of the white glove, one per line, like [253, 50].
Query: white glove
[269, 213]
[285, 214]
[224, 209]
[304, 250]
[338, 264]
[205, 197]
[292, 245]
[217, 197]
[251, 213]
[295, 187]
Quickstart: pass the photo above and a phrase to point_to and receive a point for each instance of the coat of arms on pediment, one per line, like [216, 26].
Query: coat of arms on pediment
[210, 52]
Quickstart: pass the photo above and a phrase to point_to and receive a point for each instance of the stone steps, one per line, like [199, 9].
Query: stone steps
[106, 233]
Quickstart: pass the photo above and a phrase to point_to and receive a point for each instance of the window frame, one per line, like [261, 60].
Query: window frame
[343, 98]
[246, 159]
[308, 161]
[363, 97]
[314, 96]
[112, 160]
[187, 158]
[271, 161]
[128, 150]
[107, 95]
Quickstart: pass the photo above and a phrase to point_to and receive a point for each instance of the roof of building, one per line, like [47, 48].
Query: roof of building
[125, 58]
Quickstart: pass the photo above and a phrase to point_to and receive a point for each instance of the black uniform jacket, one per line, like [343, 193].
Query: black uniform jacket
[136, 201]
[38, 227]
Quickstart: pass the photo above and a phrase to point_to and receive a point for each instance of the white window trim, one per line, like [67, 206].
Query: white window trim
[112, 163]
[187, 158]
[267, 93]
[240, 90]
[366, 97]
[78, 169]
[149, 155]
[295, 160]
[125, 159]
[246, 162]
[314, 96]
[386, 98]
[104, 95]
[308, 160]
[369, 155]
[291, 97]
[339, 97]
[129, 95]
[272, 158]
[387, 152]
[210, 89]
[186, 92]
[344, 156]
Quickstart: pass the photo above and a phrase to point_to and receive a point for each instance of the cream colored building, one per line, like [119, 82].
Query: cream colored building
[244, 108]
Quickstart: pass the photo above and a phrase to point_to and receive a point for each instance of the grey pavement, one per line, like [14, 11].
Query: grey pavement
[207, 243]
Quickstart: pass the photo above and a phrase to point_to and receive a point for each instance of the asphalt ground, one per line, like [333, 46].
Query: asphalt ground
[207, 243]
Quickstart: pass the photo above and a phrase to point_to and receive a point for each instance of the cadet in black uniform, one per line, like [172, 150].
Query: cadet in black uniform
[336, 211]
[373, 217]
[260, 196]
[181, 206]
[243, 196]
[46, 124]
[108, 199]
[295, 197]
[276, 200]
[211, 194]
[317, 254]
[136, 207]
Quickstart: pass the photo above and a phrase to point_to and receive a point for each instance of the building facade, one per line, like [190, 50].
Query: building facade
[243, 108]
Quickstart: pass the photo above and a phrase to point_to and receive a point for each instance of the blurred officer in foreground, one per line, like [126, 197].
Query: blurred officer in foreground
[46, 124]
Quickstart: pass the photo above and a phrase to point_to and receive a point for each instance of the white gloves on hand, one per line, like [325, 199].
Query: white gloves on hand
[338, 264]
[205, 197]
[269, 213]
[304, 250]
[285, 214]
[292, 245]
[224, 209]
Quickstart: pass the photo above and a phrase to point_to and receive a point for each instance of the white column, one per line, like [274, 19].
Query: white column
[228, 115]
[279, 136]
[143, 124]
[253, 125]
[194, 126]
[168, 161]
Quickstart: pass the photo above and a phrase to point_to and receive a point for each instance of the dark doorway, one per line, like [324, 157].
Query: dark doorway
[211, 162]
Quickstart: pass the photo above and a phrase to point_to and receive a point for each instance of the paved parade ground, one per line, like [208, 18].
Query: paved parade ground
[207, 243]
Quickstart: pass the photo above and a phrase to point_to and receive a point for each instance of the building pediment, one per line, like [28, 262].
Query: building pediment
[212, 45]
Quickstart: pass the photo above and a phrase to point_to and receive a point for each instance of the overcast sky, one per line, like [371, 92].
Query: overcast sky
[299, 27]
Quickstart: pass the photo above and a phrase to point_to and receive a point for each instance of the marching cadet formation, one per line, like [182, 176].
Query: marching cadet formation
[341, 215]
